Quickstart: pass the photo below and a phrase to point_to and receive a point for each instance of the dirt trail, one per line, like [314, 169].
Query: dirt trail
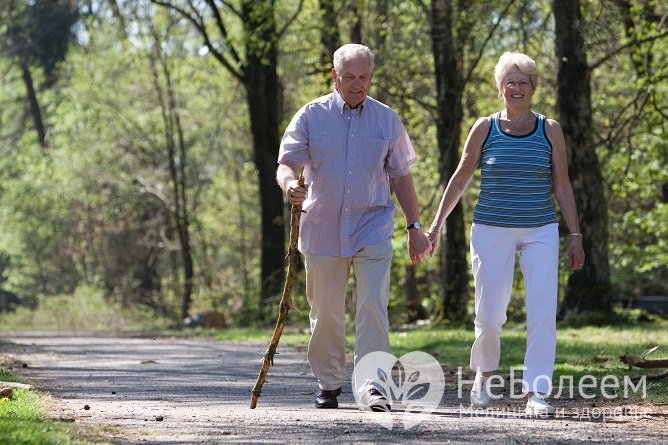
[166, 390]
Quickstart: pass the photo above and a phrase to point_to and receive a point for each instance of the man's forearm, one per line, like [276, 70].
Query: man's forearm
[407, 198]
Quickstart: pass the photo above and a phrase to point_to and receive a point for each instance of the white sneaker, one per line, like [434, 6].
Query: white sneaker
[537, 406]
[480, 397]
[372, 397]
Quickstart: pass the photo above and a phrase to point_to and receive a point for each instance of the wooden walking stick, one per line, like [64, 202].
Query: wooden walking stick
[284, 307]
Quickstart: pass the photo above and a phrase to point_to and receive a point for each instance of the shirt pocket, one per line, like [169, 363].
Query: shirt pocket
[374, 152]
[372, 173]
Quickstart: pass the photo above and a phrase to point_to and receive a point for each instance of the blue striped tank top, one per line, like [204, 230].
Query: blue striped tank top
[516, 178]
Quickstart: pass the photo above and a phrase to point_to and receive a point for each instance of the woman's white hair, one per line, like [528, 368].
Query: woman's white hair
[523, 62]
[349, 51]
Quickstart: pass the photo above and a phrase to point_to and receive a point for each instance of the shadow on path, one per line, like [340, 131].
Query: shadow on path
[172, 390]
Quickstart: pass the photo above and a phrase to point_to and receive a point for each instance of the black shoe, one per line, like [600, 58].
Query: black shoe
[327, 399]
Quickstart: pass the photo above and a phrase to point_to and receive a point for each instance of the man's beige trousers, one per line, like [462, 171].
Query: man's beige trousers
[326, 286]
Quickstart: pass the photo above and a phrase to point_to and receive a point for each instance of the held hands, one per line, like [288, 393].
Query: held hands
[418, 245]
[433, 239]
[295, 193]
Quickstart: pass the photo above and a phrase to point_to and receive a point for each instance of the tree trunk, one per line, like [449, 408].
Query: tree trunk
[177, 161]
[414, 309]
[257, 71]
[244, 263]
[378, 37]
[330, 40]
[183, 225]
[356, 28]
[449, 86]
[589, 289]
[262, 89]
[180, 182]
[35, 111]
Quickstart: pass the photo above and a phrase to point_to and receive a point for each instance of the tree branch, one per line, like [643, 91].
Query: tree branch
[481, 50]
[658, 108]
[640, 362]
[632, 43]
[198, 22]
[231, 8]
[223, 30]
[281, 31]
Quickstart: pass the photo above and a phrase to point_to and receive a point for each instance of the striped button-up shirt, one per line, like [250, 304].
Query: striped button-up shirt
[348, 156]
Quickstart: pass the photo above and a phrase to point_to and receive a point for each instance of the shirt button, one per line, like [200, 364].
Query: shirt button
[346, 209]
[348, 191]
[350, 172]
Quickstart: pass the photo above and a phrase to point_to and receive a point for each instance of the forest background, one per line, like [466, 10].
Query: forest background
[139, 144]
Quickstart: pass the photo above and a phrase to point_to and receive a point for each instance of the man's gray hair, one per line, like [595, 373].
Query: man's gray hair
[349, 51]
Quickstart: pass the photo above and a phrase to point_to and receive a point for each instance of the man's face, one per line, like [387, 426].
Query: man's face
[354, 80]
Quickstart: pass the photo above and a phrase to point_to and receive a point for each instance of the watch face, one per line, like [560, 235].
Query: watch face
[415, 225]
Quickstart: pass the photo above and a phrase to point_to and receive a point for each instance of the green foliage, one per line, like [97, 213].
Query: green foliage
[108, 176]
[37, 251]
[96, 210]
[634, 154]
[85, 309]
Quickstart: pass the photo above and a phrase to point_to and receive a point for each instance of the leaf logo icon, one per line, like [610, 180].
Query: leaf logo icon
[418, 391]
[382, 375]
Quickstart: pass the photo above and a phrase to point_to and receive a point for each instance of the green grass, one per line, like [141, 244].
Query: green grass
[24, 419]
[290, 337]
[595, 351]
[581, 351]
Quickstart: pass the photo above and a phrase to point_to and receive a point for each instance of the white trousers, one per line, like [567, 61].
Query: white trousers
[493, 252]
[326, 286]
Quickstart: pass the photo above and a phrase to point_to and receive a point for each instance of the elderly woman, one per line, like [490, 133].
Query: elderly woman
[522, 158]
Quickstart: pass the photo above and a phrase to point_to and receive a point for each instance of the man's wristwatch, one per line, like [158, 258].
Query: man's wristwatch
[415, 225]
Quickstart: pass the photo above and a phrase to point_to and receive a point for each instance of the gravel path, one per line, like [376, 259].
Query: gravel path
[166, 390]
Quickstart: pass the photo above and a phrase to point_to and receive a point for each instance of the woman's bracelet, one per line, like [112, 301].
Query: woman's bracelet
[576, 234]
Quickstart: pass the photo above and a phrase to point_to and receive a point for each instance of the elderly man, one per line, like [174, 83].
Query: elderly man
[354, 150]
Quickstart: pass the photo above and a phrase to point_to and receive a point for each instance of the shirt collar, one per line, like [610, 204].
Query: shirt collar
[342, 105]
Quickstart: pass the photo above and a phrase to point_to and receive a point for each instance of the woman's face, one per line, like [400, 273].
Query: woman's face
[516, 88]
